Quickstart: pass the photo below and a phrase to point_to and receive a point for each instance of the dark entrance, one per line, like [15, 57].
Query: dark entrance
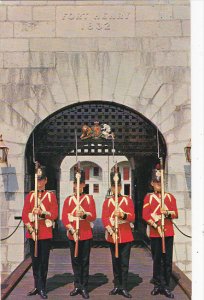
[135, 138]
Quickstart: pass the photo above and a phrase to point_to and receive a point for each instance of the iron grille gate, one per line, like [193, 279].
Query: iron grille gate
[134, 134]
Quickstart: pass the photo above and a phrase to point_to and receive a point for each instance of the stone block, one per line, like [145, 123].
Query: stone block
[188, 217]
[16, 60]
[179, 237]
[180, 253]
[181, 94]
[189, 253]
[4, 249]
[180, 44]
[42, 60]
[14, 45]
[33, 2]
[1, 63]
[181, 12]
[6, 29]
[45, 13]
[119, 44]
[180, 59]
[63, 44]
[181, 266]
[181, 221]
[154, 12]
[186, 28]
[183, 132]
[34, 29]
[95, 21]
[156, 44]
[19, 253]
[18, 237]
[158, 29]
[2, 13]
[128, 64]
[11, 2]
[17, 13]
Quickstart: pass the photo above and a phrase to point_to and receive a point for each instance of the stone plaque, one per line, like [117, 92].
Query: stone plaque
[95, 21]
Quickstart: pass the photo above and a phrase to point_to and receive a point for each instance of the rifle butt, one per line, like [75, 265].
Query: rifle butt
[163, 245]
[36, 248]
[116, 249]
[76, 249]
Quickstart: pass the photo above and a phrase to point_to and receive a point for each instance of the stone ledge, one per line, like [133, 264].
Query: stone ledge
[183, 281]
[12, 280]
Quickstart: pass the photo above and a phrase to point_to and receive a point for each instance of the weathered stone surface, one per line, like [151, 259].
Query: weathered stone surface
[42, 60]
[16, 13]
[6, 29]
[45, 13]
[94, 21]
[34, 29]
[14, 45]
[154, 12]
[158, 28]
[181, 12]
[2, 13]
[16, 60]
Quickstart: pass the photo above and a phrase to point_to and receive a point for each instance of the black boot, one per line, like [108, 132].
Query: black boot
[166, 292]
[114, 291]
[85, 294]
[42, 294]
[33, 292]
[156, 291]
[75, 292]
[125, 293]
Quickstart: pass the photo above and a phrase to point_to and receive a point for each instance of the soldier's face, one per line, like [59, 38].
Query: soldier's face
[119, 189]
[42, 183]
[156, 186]
[81, 187]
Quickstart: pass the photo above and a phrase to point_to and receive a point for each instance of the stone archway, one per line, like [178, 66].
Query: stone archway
[136, 137]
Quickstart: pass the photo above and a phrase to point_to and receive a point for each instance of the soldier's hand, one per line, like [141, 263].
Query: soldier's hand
[33, 235]
[159, 230]
[75, 237]
[164, 212]
[117, 213]
[37, 211]
[79, 213]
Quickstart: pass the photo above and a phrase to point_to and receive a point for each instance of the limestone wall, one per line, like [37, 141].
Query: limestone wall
[56, 53]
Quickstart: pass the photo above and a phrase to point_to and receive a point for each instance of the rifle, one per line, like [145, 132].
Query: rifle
[36, 206]
[78, 176]
[162, 205]
[116, 208]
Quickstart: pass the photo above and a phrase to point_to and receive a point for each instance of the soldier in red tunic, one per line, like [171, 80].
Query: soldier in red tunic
[47, 212]
[152, 212]
[126, 215]
[87, 214]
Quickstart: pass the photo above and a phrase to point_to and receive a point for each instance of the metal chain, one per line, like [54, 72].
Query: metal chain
[12, 232]
[181, 231]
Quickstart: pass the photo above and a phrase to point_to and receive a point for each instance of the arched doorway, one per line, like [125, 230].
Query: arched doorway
[136, 137]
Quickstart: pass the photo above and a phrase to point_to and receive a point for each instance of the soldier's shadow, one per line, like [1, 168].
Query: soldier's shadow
[97, 280]
[58, 281]
[133, 280]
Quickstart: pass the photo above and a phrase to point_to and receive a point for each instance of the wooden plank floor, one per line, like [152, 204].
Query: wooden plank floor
[60, 277]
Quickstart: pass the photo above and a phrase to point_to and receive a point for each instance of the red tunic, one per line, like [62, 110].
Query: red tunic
[87, 204]
[126, 206]
[48, 203]
[151, 212]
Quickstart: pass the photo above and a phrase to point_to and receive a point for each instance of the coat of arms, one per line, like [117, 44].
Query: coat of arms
[97, 131]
